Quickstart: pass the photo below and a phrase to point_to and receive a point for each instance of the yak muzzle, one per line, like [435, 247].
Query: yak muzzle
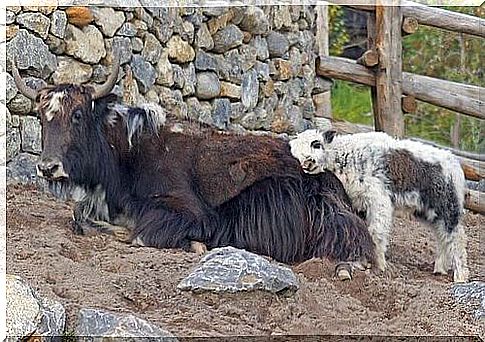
[309, 165]
[51, 169]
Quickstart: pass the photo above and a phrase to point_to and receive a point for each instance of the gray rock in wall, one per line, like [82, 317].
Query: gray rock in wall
[12, 142]
[254, 21]
[127, 29]
[35, 22]
[58, 23]
[104, 325]
[278, 44]
[21, 169]
[205, 61]
[250, 90]
[165, 70]
[56, 45]
[221, 113]
[71, 71]
[30, 130]
[9, 17]
[28, 314]
[86, 44]
[178, 76]
[144, 72]
[203, 38]
[20, 104]
[11, 87]
[190, 79]
[122, 45]
[261, 46]
[208, 85]
[108, 19]
[233, 270]
[152, 49]
[227, 38]
[31, 52]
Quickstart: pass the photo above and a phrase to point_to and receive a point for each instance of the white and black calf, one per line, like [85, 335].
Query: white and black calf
[381, 174]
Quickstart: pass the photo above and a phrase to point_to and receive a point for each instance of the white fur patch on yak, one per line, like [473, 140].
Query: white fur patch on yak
[135, 123]
[54, 105]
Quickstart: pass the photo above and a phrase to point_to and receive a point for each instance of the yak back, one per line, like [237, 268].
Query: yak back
[226, 164]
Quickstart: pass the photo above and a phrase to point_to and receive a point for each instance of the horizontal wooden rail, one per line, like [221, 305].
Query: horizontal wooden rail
[475, 201]
[429, 16]
[466, 99]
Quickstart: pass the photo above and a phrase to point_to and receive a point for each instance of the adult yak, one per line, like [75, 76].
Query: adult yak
[185, 189]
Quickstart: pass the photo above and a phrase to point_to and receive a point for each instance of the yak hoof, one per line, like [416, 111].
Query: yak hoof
[198, 248]
[343, 271]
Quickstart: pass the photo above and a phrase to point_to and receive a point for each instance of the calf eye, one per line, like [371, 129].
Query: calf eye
[77, 115]
[316, 144]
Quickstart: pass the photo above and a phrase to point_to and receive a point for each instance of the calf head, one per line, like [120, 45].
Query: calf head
[309, 146]
[68, 123]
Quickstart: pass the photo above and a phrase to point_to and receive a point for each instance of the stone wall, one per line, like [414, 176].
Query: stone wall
[237, 68]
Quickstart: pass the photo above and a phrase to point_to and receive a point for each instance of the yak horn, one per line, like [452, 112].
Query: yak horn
[22, 87]
[106, 88]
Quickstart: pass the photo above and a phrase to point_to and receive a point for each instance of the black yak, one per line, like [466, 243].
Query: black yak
[179, 190]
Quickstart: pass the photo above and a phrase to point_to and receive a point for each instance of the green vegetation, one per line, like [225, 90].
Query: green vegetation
[431, 52]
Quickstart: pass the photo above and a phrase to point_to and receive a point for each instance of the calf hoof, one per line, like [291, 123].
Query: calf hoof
[343, 271]
[198, 248]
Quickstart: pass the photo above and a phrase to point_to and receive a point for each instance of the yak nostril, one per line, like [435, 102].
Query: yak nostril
[48, 168]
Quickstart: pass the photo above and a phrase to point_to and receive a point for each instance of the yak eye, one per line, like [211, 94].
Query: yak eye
[77, 115]
[316, 144]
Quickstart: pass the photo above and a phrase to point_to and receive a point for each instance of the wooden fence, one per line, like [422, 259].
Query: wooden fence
[395, 92]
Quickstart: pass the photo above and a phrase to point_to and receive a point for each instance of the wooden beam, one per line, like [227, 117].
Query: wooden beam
[388, 43]
[462, 98]
[448, 20]
[409, 104]
[324, 108]
[475, 201]
[369, 58]
[410, 25]
[445, 94]
[429, 16]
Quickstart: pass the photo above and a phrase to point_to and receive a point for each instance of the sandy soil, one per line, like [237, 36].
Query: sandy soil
[97, 271]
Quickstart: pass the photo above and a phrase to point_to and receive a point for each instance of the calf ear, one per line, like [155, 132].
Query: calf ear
[329, 135]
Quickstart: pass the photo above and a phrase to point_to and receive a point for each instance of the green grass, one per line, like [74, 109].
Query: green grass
[351, 103]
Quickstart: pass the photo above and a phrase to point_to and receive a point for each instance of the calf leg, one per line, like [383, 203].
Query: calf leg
[379, 215]
[451, 252]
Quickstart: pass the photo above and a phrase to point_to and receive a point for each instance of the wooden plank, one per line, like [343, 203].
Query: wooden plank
[448, 20]
[462, 98]
[475, 201]
[389, 117]
[410, 25]
[450, 95]
[324, 108]
[409, 104]
[429, 16]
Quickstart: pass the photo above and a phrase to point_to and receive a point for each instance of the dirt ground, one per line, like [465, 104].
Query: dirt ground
[97, 271]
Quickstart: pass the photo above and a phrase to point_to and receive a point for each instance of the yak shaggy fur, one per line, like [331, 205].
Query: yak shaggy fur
[170, 187]
[381, 174]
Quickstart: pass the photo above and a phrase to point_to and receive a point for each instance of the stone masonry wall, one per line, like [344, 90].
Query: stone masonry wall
[236, 68]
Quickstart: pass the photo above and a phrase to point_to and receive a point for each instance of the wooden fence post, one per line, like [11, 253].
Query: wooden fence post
[322, 101]
[388, 116]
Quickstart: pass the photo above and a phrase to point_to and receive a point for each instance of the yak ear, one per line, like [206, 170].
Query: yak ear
[329, 135]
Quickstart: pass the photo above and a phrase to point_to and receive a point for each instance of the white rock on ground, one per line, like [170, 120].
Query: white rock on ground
[28, 314]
